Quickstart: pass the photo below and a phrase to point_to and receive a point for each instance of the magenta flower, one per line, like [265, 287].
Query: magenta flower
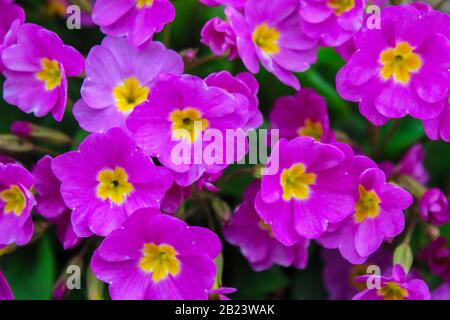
[439, 127]
[400, 69]
[438, 257]
[138, 20]
[106, 180]
[50, 203]
[220, 293]
[245, 88]
[256, 239]
[331, 21]
[377, 214]
[174, 197]
[118, 78]
[157, 256]
[176, 115]
[59, 7]
[412, 164]
[269, 31]
[5, 159]
[5, 290]
[16, 203]
[36, 70]
[442, 292]
[309, 190]
[220, 37]
[11, 17]
[304, 114]
[434, 207]
[339, 274]
[396, 287]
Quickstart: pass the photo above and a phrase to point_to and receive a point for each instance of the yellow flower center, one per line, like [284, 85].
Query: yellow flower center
[341, 6]
[295, 182]
[160, 261]
[114, 185]
[129, 94]
[14, 199]
[392, 291]
[56, 7]
[187, 124]
[142, 3]
[266, 38]
[399, 62]
[356, 271]
[311, 129]
[50, 73]
[368, 205]
[266, 227]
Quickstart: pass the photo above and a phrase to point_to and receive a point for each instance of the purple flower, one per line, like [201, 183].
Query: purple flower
[36, 70]
[377, 214]
[400, 69]
[16, 203]
[219, 36]
[5, 290]
[157, 256]
[118, 78]
[178, 112]
[339, 275]
[174, 197]
[396, 287]
[412, 164]
[433, 207]
[309, 190]
[304, 114]
[50, 203]
[138, 20]
[21, 128]
[220, 293]
[256, 239]
[331, 21]
[245, 88]
[269, 31]
[439, 127]
[442, 292]
[5, 159]
[207, 181]
[438, 257]
[11, 17]
[59, 7]
[106, 180]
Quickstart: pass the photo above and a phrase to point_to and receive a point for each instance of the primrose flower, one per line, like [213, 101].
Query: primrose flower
[11, 17]
[331, 21]
[304, 114]
[434, 207]
[256, 240]
[309, 190]
[396, 287]
[174, 197]
[36, 71]
[439, 127]
[50, 203]
[442, 292]
[400, 69]
[377, 215]
[156, 256]
[5, 290]
[437, 254]
[339, 274]
[118, 78]
[106, 180]
[16, 203]
[219, 36]
[174, 119]
[138, 20]
[245, 88]
[269, 31]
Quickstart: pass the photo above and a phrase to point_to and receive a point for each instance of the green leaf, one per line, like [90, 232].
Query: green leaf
[31, 271]
[403, 255]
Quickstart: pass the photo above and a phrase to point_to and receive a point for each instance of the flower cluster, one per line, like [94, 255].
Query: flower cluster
[148, 174]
